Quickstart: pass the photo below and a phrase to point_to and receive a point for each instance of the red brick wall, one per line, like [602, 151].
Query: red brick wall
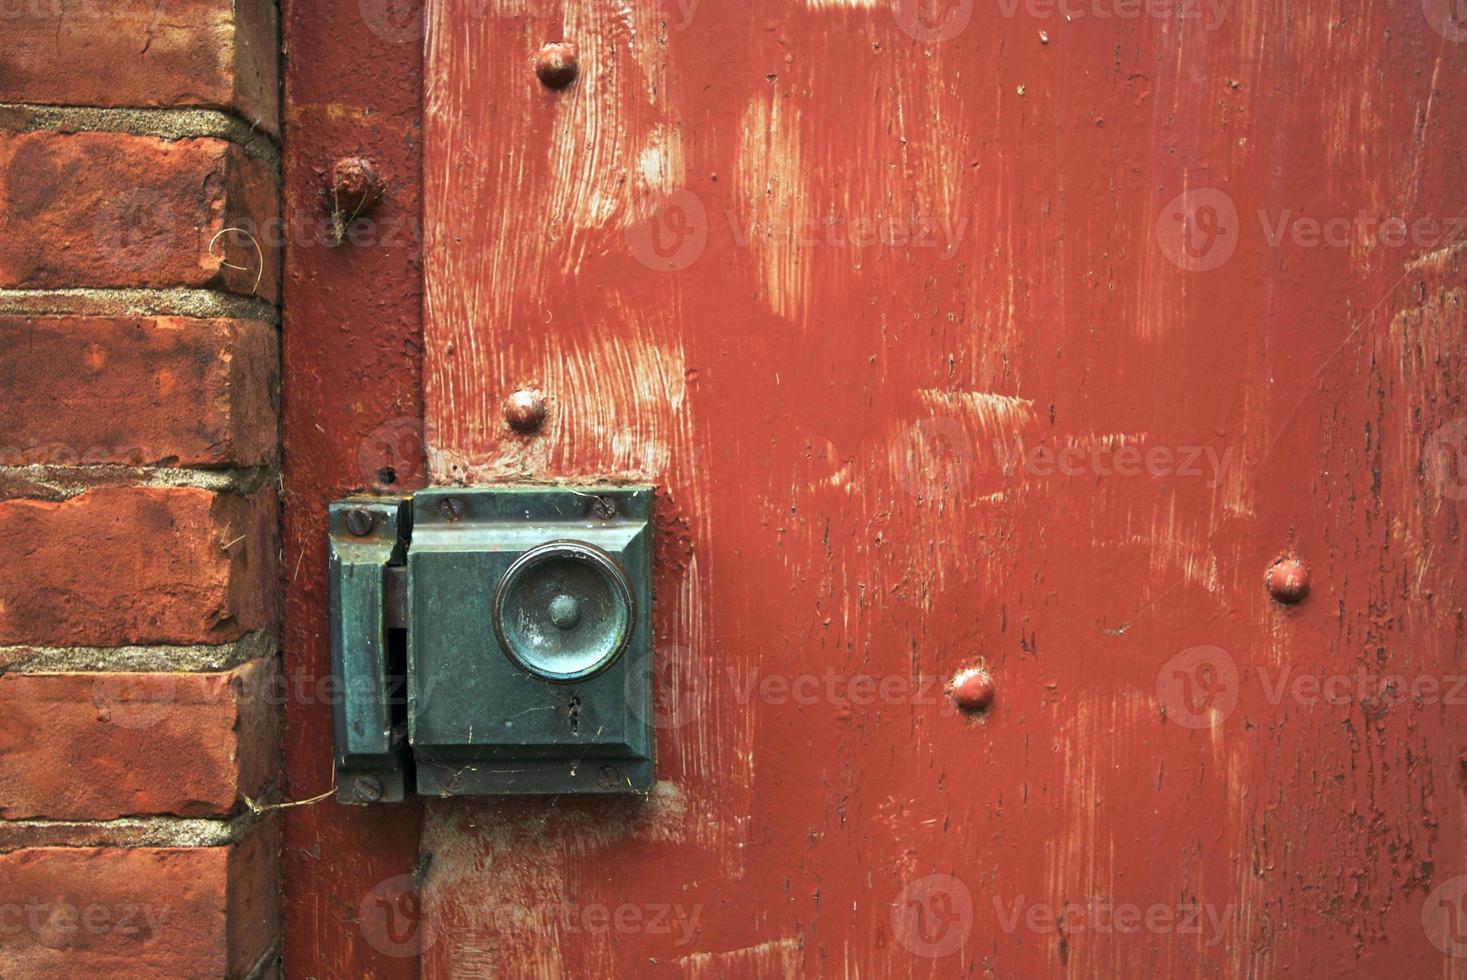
[139, 693]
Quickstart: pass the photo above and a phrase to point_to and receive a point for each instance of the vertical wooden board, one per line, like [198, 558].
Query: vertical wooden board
[352, 407]
[994, 340]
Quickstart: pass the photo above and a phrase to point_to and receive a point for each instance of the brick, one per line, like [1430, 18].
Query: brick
[152, 911]
[117, 210]
[131, 565]
[158, 53]
[138, 390]
[153, 743]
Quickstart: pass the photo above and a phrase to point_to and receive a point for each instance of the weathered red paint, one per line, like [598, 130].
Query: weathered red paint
[948, 337]
[352, 421]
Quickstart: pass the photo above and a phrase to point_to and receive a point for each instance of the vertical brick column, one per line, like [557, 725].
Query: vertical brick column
[139, 684]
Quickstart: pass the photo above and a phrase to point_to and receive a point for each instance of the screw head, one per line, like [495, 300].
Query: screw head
[1288, 581]
[525, 410]
[603, 508]
[557, 64]
[451, 508]
[972, 690]
[367, 789]
[355, 186]
[359, 521]
[607, 777]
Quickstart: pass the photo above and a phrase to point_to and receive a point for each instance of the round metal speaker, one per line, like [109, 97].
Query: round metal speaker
[564, 611]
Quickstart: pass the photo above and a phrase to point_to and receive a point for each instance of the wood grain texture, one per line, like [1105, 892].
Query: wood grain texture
[836, 283]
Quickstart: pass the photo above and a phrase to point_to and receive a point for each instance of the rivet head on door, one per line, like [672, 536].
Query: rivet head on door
[355, 186]
[557, 64]
[525, 410]
[972, 690]
[1288, 580]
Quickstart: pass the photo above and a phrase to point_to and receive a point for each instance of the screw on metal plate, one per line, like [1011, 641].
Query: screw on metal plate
[359, 521]
[607, 777]
[603, 508]
[557, 64]
[368, 789]
[452, 509]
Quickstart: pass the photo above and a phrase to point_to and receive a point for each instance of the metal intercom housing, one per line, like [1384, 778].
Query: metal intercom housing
[492, 641]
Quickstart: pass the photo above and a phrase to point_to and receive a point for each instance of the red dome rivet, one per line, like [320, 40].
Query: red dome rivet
[1288, 580]
[972, 689]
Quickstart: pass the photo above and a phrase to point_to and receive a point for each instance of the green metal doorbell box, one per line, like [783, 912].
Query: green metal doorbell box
[492, 640]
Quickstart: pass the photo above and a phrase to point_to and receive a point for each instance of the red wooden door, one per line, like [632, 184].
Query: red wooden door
[1019, 336]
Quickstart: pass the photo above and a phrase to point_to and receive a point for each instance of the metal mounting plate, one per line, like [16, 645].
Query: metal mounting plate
[528, 638]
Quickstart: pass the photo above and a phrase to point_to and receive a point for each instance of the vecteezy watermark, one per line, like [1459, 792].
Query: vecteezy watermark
[1199, 230]
[932, 917]
[1364, 686]
[674, 920]
[1444, 916]
[401, 21]
[137, 228]
[1198, 687]
[55, 922]
[889, 231]
[393, 453]
[932, 21]
[1109, 458]
[671, 229]
[1107, 917]
[394, 21]
[936, 457]
[1447, 17]
[1209, 13]
[394, 920]
[670, 232]
[683, 685]
[1360, 229]
[1444, 460]
[135, 701]
[933, 457]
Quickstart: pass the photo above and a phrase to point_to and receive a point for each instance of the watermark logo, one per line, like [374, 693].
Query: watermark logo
[932, 458]
[392, 921]
[392, 454]
[1445, 460]
[1447, 17]
[933, 21]
[679, 684]
[933, 916]
[136, 228]
[55, 924]
[1105, 917]
[672, 231]
[1364, 687]
[1444, 916]
[1209, 12]
[1198, 688]
[1198, 230]
[133, 700]
[394, 21]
